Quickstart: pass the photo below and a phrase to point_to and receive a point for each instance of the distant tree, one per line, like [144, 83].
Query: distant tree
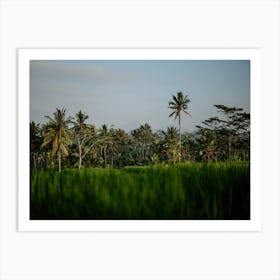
[235, 125]
[229, 122]
[82, 133]
[243, 128]
[122, 148]
[229, 134]
[179, 105]
[57, 132]
[80, 120]
[170, 144]
[208, 142]
[35, 143]
[106, 135]
[189, 146]
[144, 138]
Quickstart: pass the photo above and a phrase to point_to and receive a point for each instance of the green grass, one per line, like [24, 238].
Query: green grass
[184, 191]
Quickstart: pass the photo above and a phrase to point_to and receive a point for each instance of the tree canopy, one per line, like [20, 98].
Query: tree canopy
[71, 142]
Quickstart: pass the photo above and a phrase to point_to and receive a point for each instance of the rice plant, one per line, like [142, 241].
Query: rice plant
[189, 191]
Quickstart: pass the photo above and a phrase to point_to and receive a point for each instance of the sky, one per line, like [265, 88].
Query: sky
[128, 93]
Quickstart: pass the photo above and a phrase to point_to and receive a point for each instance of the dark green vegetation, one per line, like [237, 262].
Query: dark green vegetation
[108, 173]
[175, 192]
[66, 142]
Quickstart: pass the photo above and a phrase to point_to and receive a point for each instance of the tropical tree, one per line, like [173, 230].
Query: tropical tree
[170, 145]
[179, 105]
[105, 134]
[88, 142]
[207, 142]
[144, 137]
[189, 146]
[230, 134]
[57, 132]
[35, 143]
[80, 120]
[230, 122]
[82, 133]
[122, 148]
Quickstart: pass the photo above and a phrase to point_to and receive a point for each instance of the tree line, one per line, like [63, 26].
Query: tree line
[72, 142]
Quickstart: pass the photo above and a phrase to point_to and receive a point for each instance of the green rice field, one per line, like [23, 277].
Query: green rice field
[190, 191]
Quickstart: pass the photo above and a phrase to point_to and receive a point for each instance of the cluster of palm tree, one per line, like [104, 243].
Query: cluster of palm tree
[75, 143]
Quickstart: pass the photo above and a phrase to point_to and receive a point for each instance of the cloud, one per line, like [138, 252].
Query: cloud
[74, 72]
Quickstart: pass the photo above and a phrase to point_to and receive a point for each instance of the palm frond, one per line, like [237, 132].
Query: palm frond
[50, 119]
[55, 145]
[63, 150]
[187, 113]
[175, 99]
[172, 114]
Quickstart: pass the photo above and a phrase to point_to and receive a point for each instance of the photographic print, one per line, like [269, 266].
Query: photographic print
[140, 136]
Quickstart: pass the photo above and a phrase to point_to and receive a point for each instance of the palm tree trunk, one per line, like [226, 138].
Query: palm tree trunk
[80, 156]
[59, 161]
[229, 145]
[105, 155]
[34, 161]
[80, 151]
[180, 147]
[59, 152]
[80, 161]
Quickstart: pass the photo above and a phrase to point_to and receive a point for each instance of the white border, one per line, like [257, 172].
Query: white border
[254, 55]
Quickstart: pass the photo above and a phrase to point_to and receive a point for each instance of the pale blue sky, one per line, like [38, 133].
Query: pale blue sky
[129, 93]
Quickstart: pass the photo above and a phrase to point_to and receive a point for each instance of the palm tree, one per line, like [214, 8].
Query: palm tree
[81, 133]
[35, 143]
[179, 104]
[57, 133]
[144, 137]
[170, 143]
[80, 120]
[207, 142]
[105, 134]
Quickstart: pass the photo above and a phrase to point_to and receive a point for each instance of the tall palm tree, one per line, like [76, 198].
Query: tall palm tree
[35, 143]
[105, 135]
[81, 133]
[179, 104]
[57, 133]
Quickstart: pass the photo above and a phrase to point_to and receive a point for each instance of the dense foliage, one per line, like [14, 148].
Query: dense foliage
[182, 191]
[141, 174]
[67, 142]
